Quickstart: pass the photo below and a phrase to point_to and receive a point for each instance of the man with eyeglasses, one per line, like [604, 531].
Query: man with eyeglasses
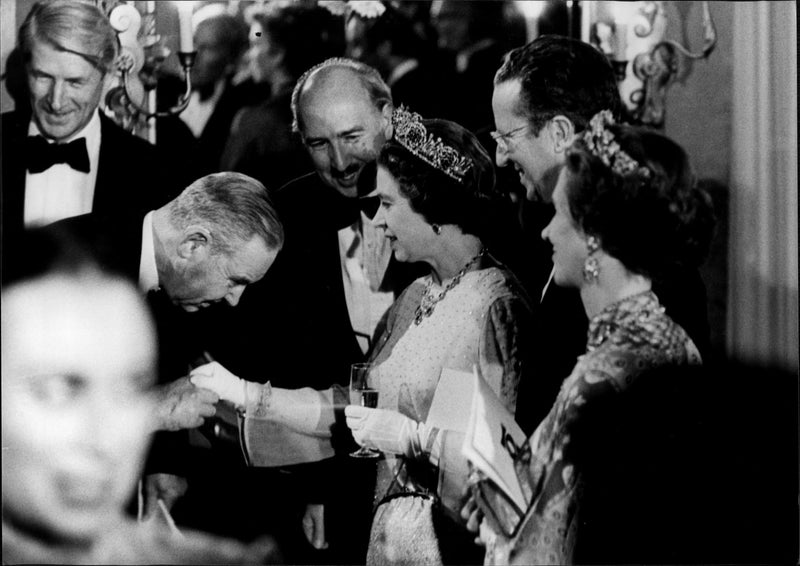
[545, 93]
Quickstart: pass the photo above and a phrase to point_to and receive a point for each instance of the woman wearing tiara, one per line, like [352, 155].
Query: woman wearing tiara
[435, 183]
[627, 210]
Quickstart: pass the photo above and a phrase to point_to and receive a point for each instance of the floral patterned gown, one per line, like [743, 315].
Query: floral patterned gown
[624, 340]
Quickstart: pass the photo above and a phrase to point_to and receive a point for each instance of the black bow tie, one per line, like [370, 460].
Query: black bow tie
[42, 155]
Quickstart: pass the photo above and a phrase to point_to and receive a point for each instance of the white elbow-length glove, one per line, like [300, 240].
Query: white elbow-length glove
[215, 377]
[388, 431]
[304, 410]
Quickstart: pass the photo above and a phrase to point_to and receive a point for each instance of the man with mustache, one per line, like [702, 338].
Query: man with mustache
[326, 292]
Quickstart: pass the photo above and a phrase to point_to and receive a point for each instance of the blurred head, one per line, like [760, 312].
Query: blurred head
[220, 40]
[68, 49]
[460, 24]
[653, 219]
[291, 38]
[382, 41]
[78, 358]
[342, 110]
[226, 236]
[416, 194]
[545, 93]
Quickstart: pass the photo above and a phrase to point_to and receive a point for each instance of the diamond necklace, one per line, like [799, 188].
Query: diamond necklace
[428, 302]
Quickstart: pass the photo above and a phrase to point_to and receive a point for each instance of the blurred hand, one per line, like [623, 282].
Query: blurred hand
[472, 514]
[314, 525]
[384, 430]
[167, 487]
[216, 378]
[181, 404]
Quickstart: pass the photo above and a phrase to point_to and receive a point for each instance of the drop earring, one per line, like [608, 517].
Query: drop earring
[591, 267]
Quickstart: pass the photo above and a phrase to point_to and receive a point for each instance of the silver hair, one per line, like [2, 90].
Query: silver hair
[65, 23]
[235, 207]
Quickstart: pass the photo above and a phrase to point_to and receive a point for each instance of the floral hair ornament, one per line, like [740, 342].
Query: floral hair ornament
[410, 132]
[364, 8]
[600, 142]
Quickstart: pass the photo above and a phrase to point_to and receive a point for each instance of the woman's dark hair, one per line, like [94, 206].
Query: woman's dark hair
[439, 198]
[307, 35]
[652, 223]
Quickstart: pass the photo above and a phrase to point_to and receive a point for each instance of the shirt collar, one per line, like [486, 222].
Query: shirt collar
[148, 272]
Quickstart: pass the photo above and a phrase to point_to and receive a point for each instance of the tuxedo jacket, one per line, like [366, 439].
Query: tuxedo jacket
[131, 176]
[116, 243]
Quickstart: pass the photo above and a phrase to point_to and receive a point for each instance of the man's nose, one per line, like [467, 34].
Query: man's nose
[234, 295]
[56, 96]
[337, 156]
[103, 422]
[500, 155]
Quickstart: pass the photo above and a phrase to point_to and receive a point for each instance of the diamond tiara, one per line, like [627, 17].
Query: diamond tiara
[600, 142]
[410, 132]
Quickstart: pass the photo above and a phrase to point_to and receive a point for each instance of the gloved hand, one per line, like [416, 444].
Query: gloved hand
[387, 431]
[219, 380]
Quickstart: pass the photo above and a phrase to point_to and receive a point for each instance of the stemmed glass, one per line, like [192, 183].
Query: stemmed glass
[364, 392]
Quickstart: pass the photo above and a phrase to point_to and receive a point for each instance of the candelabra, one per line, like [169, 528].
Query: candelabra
[133, 100]
[656, 60]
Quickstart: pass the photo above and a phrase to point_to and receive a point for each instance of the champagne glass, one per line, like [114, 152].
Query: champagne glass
[364, 392]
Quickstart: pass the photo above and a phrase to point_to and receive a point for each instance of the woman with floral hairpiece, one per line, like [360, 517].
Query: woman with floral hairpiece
[435, 187]
[627, 210]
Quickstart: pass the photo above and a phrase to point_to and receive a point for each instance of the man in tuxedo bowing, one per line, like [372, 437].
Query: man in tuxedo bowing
[544, 95]
[61, 156]
[201, 249]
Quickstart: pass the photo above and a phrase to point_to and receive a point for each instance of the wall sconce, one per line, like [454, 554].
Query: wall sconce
[654, 60]
[133, 100]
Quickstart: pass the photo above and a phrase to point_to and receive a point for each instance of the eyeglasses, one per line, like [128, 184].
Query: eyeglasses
[502, 138]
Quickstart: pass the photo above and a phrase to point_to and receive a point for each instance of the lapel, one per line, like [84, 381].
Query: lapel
[110, 161]
[12, 191]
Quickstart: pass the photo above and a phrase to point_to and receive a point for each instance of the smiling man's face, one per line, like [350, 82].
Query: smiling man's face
[342, 129]
[533, 156]
[65, 90]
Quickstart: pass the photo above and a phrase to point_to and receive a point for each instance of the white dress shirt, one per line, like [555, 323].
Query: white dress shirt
[198, 112]
[61, 191]
[148, 272]
[365, 305]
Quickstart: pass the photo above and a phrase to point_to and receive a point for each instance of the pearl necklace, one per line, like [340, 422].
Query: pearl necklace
[428, 302]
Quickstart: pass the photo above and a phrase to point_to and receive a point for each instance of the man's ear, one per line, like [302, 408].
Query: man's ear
[195, 242]
[562, 132]
[386, 115]
[108, 83]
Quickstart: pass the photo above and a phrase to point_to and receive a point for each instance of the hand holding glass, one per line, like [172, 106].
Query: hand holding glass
[364, 392]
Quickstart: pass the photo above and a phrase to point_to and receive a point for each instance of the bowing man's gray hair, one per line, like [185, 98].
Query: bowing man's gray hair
[233, 206]
[379, 92]
[74, 27]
